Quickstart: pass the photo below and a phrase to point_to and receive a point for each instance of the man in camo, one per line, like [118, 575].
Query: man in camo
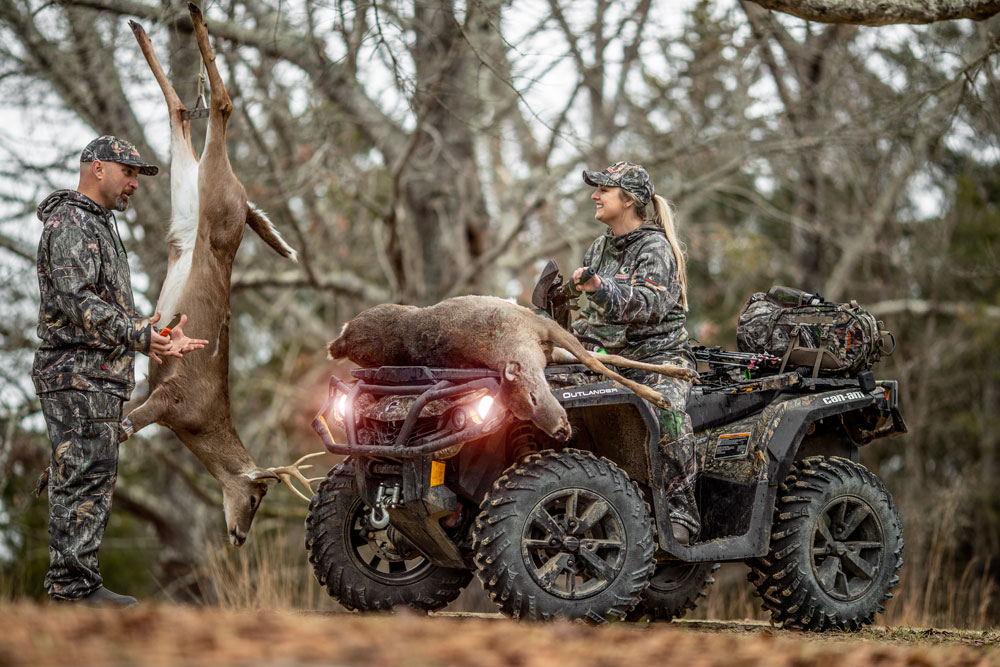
[636, 306]
[83, 369]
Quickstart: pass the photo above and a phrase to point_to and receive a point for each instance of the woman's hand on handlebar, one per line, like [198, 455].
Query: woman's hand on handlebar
[591, 285]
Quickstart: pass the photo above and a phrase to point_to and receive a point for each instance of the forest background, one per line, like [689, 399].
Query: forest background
[412, 151]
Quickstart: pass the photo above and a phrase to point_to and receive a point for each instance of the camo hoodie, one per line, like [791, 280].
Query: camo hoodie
[86, 321]
[637, 311]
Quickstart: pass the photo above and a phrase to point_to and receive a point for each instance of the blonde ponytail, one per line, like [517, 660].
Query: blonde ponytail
[662, 213]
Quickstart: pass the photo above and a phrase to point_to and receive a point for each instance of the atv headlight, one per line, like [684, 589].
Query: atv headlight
[483, 408]
[340, 407]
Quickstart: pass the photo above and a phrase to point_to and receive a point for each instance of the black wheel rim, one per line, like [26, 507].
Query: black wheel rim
[847, 548]
[671, 577]
[573, 543]
[374, 552]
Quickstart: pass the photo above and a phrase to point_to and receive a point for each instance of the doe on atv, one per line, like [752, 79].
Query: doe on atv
[442, 482]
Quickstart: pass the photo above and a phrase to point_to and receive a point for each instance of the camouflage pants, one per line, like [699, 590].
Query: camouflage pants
[83, 430]
[677, 451]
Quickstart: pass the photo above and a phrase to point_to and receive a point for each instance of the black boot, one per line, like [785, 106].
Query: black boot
[682, 534]
[102, 597]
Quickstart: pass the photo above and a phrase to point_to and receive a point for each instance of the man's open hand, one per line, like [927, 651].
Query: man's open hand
[172, 342]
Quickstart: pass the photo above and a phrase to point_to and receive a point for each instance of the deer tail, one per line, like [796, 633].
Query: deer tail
[260, 223]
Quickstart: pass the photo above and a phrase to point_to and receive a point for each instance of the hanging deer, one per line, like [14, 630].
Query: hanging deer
[209, 210]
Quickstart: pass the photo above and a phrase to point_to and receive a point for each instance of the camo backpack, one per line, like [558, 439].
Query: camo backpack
[833, 339]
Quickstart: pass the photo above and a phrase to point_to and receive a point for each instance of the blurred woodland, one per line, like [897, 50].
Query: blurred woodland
[412, 151]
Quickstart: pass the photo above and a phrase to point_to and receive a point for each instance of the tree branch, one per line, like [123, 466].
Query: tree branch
[19, 248]
[886, 12]
[927, 307]
[487, 258]
[133, 500]
[347, 284]
[330, 78]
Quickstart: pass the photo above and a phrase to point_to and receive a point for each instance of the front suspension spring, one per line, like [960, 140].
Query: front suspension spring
[522, 441]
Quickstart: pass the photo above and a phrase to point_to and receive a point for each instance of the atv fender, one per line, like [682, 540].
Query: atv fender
[620, 443]
[786, 427]
[778, 435]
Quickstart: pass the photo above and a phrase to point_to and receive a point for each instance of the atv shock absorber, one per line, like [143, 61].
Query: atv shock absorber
[522, 441]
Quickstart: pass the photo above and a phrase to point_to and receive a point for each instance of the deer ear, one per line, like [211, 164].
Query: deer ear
[261, 475]
[511, 371]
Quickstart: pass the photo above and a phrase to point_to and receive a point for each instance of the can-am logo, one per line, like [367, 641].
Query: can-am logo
[840, 398]
[591, 392]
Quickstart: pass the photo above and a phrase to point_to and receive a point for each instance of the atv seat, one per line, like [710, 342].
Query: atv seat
[717, 408]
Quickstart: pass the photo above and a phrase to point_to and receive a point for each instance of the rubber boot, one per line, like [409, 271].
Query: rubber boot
[682, 534]
[102, 597]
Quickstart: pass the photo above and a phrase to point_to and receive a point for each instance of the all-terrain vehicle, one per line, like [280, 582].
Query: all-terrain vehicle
[442, 482]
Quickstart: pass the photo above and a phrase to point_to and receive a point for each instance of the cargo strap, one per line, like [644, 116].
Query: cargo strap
[793, 346]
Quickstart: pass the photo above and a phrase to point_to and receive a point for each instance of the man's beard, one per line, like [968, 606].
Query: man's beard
[121, 203]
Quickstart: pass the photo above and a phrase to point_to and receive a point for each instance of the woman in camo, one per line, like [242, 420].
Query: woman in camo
[636, 307]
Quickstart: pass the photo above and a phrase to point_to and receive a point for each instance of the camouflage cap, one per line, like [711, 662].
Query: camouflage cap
[625, 175]
[113, 149]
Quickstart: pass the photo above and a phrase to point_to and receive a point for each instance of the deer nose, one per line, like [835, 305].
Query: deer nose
[236, 538]
[562, 435]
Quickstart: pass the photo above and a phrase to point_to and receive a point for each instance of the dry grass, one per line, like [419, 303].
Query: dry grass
[936, 588]
[271, 571]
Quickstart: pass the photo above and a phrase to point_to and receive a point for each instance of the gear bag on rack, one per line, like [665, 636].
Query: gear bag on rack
[832, 339]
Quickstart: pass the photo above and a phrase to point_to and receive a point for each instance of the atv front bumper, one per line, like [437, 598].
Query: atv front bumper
[427, 386]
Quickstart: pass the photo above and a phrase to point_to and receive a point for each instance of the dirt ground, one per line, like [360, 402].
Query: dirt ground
[157, 635]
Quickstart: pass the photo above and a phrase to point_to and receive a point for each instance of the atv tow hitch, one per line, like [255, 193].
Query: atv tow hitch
[379, 517]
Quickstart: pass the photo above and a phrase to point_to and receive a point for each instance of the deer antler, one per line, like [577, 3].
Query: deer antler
[287, 473]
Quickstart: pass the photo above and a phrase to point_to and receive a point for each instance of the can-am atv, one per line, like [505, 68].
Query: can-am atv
[441, 482]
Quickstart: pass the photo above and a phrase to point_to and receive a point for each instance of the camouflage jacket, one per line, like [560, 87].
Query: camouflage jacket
[86, 321]
[637, 311]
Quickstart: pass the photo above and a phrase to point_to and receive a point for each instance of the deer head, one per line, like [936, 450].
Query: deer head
[241, 496]
[242, 493]
[525, 392]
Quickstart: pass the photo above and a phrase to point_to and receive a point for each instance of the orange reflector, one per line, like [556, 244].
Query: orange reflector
[437, 473]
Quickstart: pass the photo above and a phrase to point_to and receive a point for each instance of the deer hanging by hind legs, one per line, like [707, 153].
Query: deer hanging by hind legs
[209, 211]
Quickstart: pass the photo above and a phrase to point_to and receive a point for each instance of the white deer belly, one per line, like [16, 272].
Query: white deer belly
[183, 200]
[173, 286]
[183, 230]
